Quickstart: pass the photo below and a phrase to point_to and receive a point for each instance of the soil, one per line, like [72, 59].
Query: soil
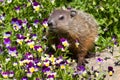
[109, 59]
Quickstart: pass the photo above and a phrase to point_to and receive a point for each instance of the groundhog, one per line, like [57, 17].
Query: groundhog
[75, 26]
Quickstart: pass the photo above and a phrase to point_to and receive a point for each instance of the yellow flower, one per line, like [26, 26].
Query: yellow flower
[84, 74]
[13, 54]
[31, 44]
[5, 76]
[45, 25]
[0, 21]
[32, 69]
[65, 43]
[47, 63]
[77, 44]
[39, 64]
[110, 73]
[52, 59]
[19, 41]
[62, 66]
[37, 8]
[16, 27]
[96, 73]
[21, 63]
[26, 61]
[40, 50]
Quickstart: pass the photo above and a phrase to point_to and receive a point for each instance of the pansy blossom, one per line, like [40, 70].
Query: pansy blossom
[36, 6]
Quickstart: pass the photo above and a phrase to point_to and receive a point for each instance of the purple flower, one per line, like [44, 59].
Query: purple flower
[116, 42]
[1, 0]
[31, 67]
[64, 42]
[59, 60]
[0, 68]
[110, 68]
[17, 8]
[17, 24]
[45, 22]
[36, 23]
[46, 62]
[14, 20]
[5, 74]
[24, 78]
[59, 46]
[45, 69]
[30, 43]
[24, 22]
[99, 60]
[114, 39]
[35, 3]
[7, 34]
[7, 42]
[19, 36]
[81, 68]
[62, 39]
[36, 61]
[28, 55]
[2, 17]
[51, 75]
[37, 79]
[38, 48]
[11, 73]
[33, 36]
[12, 51]
[30, 64]
[36, 6]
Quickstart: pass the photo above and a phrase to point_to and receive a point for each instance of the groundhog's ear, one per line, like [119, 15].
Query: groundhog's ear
[73, 13]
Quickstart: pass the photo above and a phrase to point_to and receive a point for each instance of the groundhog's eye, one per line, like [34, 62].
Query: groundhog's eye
[61, 17]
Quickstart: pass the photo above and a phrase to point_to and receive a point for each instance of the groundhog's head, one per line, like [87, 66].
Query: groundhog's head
[60, 20]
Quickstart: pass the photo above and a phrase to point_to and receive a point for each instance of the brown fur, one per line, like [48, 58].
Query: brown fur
[76, 25]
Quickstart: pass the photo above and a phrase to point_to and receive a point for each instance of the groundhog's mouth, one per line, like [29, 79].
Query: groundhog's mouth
[52, 29]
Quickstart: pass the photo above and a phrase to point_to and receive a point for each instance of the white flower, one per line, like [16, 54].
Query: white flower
[9, 1]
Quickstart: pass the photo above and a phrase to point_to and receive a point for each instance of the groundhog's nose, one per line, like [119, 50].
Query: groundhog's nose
[51, 23]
